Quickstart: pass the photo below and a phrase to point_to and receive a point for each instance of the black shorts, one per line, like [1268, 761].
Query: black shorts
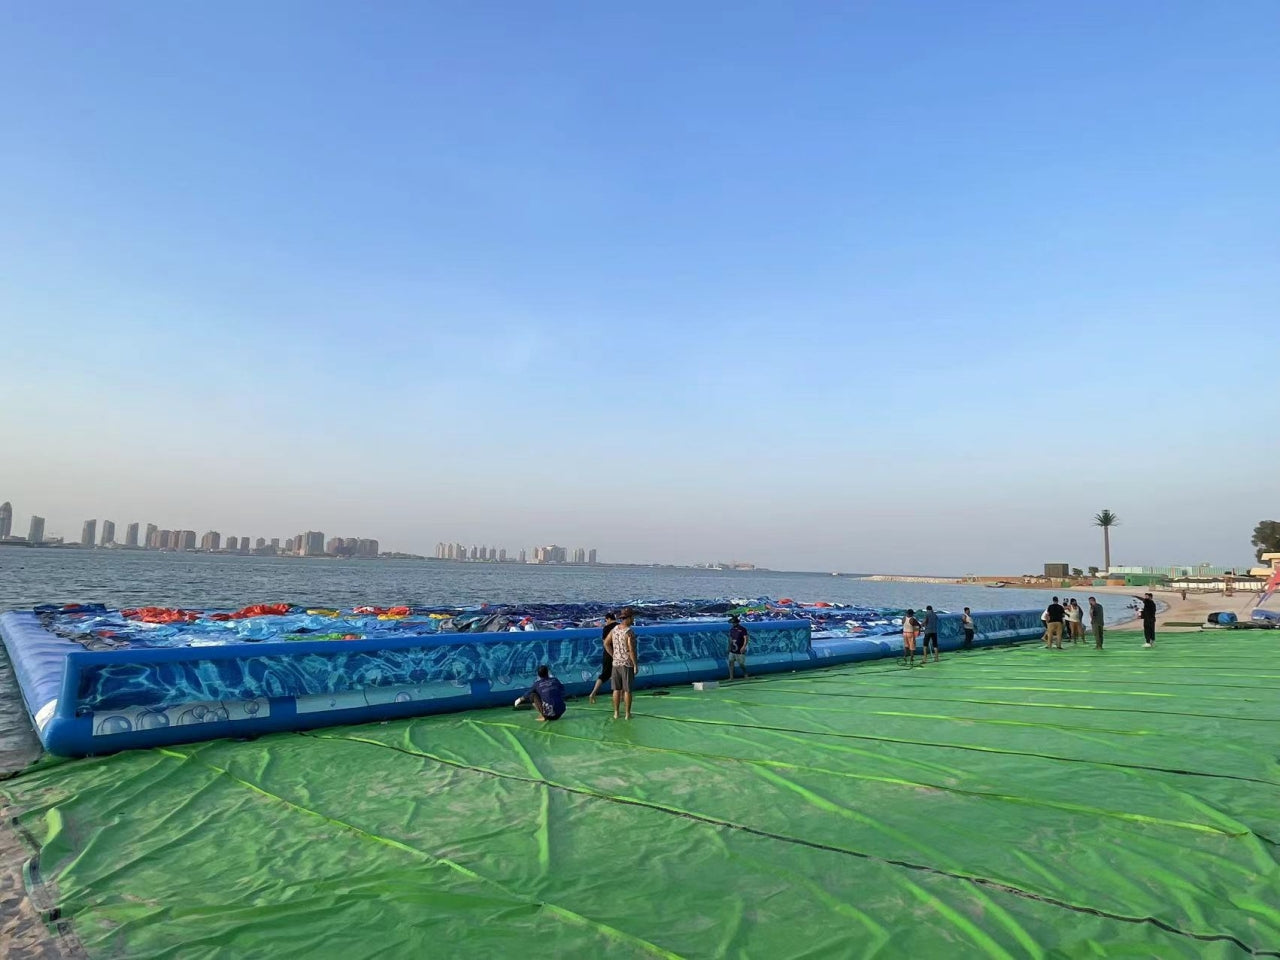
[931, 638]
[606, 668]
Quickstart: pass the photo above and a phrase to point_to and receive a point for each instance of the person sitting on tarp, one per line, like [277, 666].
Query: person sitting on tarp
[547, 696]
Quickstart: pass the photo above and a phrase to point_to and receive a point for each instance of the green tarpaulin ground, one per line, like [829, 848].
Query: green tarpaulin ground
[1009, 803]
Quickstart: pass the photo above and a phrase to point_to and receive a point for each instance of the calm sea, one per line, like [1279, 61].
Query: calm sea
[126, 578]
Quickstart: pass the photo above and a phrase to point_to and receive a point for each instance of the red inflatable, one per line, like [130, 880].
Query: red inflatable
[379, 611]
[254, 610]
[161, 615]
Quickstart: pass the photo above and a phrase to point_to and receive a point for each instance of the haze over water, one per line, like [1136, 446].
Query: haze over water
[123, 579]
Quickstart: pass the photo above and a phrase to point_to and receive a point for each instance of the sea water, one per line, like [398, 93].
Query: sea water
[122, 578]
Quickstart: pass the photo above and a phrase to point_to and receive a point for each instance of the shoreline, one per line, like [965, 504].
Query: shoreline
[1195, 608]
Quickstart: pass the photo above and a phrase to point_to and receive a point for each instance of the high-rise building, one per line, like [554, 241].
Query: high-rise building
[35, 533]
[502, 555]
[591, 555]
[260, 543]
[524, 556]
[288, 545]
[211, 541]
[551, 554]
[88, 533]
[300, 544]
[579, 555]
[313, 544]
[6, 519]
[233, 544]
[244, 544]
[108, 532]
[151, 541]
[184, 539]
[165, 539]
[334, 546]
[366, 547]
[131, 535]
[275, 544]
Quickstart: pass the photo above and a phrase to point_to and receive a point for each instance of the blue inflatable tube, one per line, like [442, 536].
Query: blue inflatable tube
[91, 702]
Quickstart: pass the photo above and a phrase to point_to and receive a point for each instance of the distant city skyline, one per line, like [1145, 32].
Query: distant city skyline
[551, 553]
[309, 544]
[153, 537]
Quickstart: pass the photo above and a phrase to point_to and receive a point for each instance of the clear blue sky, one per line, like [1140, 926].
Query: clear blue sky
[861, 286]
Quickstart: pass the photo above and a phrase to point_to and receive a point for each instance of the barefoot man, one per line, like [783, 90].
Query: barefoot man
[621, 646]
[606, 662]
[547, 696]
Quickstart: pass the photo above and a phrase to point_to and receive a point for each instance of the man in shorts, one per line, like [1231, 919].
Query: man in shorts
[737, 647]
[547, 696]
[621, 647]
[606, 661]
[910, 630]
[930, 635]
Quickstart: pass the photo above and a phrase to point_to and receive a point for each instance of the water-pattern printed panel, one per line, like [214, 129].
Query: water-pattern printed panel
[118, 685]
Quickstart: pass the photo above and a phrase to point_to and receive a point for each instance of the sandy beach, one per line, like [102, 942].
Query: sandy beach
[1194, 609]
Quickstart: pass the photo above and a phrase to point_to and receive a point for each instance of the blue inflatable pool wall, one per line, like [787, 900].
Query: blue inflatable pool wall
[83, 702]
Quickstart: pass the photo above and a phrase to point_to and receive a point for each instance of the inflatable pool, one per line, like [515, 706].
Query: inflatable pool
[97, 681]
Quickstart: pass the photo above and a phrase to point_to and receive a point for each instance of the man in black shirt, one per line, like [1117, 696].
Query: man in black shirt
[1148, 615]
[1057, 613]
[606, 661]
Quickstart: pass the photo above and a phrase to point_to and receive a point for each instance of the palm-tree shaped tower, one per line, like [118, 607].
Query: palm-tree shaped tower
[1106, 520]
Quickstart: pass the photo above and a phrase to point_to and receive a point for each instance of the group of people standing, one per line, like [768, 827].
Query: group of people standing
[927, 632]
[1068, 619]
[618, 662]
[617, 668]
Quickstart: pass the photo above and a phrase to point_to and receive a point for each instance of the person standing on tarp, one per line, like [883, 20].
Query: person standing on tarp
[1076, 616]
[606, 661]
[1055, 614]
[547, 696]
[1095, 620]
[621, 646]
[930, 635]
[966, 623]
[910, 630]
[737, 647]
[1148, 615]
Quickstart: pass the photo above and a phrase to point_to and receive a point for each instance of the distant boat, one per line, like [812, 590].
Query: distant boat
[996, 585]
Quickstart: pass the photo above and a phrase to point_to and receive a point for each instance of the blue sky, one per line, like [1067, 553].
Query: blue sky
[864, 286]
